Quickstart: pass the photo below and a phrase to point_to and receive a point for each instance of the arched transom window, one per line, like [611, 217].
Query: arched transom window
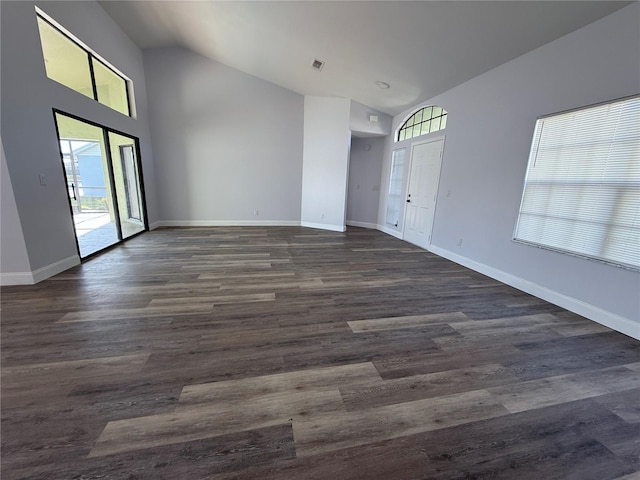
[425, 120]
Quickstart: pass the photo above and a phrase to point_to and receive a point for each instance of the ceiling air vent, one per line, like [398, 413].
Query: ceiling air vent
[317, 64]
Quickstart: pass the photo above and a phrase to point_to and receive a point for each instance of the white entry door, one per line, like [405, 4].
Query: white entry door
[423, 189]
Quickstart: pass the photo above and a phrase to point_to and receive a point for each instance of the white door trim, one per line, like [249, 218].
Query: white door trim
[439, 138]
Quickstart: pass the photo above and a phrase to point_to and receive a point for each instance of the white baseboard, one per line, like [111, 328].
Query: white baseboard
[390, 231]
[16, 278]
[592, 312]
[55, 268]
[30, 278]
[154, 225]
[324, 226]
[225, 223]
[370, 226]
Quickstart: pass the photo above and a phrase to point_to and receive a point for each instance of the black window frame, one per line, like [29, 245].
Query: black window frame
[412, 117]
[90, 57]
[110, 177]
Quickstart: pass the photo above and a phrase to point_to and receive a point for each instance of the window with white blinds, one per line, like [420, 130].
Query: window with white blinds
[582, 187]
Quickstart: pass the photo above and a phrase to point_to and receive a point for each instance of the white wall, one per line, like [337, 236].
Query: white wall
[361, 126]
[14, 261]
[226, 143]
[365, 167]
[325, 162]
[488, 135]
[28, 129]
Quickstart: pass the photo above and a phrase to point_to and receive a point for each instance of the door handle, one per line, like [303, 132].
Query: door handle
[73, 187]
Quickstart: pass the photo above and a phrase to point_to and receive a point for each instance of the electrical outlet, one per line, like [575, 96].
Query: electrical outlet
[459, 242]
[322, 216]
[256, 212]
[42, 179]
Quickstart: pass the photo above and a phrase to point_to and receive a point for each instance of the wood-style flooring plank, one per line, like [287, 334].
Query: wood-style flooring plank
[388, 392]
[522, 396]
[138, 313]
[411, 321]
[297, 381]
[194, 459]
[343, 430]
[219, 418]
[214, 299]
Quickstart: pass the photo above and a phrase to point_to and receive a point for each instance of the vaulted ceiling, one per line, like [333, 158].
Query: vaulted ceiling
[420, 48]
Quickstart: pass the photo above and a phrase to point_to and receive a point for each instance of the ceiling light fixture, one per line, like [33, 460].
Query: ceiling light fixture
[317, 64]
[383, 85]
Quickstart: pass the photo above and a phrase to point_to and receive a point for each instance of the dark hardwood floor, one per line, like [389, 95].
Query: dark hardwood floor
[291, 353]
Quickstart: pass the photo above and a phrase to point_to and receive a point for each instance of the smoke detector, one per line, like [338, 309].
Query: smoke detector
[317, 64]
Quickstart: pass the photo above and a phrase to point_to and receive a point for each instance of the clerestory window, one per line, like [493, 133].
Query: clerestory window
[74, 65]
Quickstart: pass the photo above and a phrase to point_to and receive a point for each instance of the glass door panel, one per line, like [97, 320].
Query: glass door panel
[394, 195]
[88, 183]
[104, 181]
[127, 183]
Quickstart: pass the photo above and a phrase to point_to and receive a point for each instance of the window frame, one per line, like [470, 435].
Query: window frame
[95, 85]
[399, 164]
[405, 127]
[530, 179]
[110, 176]
[91, 55]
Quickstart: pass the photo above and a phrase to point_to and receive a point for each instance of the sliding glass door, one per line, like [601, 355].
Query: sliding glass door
[103, 181]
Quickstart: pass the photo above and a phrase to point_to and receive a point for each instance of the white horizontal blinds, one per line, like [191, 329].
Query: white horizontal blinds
[582, 188]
